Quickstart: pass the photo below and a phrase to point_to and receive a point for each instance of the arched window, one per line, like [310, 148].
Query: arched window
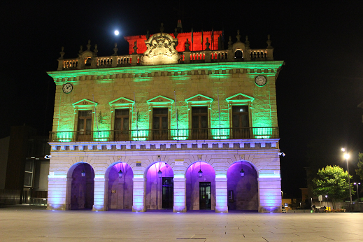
[238, 54]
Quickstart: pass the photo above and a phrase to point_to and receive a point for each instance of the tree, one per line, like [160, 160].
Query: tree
[359, 171]
[332, 181]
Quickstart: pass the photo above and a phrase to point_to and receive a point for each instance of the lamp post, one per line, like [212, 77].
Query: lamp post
[346, 156]
[357, 183]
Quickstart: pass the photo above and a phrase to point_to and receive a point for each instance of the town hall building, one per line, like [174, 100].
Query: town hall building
[179, 123]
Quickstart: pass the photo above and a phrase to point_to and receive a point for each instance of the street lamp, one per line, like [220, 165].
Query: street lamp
[357, 183]
[346, 157]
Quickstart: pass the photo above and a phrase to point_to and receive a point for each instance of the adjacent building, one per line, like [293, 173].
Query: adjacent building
[179, 123]
[24, 167]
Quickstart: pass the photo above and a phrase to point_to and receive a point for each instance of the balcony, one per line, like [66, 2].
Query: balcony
[165, 134]
[205, 56]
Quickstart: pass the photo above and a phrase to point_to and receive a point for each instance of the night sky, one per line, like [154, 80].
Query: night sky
[318, 88]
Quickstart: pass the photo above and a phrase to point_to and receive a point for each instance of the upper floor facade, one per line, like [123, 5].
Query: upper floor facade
[170, 87]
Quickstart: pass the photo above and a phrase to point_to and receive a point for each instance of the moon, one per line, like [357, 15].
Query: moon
[117, 32]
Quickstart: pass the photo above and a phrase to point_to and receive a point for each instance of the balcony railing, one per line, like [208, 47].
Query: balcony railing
[165, 134]
[185, 57]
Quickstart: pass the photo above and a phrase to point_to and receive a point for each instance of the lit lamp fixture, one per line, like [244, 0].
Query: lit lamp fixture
[346, 157]
[200, 172]
[83, 173]
[242, 172]
[356, 184]
[160, 173]
[120, 174]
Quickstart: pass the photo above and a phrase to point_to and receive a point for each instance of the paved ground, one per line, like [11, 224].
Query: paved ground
[34, 224]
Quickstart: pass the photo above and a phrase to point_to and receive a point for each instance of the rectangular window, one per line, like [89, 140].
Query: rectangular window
[84, 125]
[160, 124]
[199, 122]
[240, 123]
[121, 124]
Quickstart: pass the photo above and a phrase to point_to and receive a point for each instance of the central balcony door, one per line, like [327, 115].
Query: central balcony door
[168, 192]
[121, 125]
[240, 124]
[160, 124]
[199, 122]
[204, 195]
[84, 125]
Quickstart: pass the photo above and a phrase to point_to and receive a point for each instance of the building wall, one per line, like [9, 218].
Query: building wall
[179, 87]
[4, 149]
[144, 83]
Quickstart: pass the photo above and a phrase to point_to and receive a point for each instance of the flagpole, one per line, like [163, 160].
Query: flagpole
[137, 119]
[202, 39]
[219, 109]
[192, 40]
[94, 109]
[176, 110]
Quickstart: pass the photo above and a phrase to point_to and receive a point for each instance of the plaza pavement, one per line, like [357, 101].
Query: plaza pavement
[34, 224]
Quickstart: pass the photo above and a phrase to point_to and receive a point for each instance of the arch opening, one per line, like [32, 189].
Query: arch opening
[238, 54]
[200, 187]
[159, 187]
[242, 187]
[81, 186]
[119, 187]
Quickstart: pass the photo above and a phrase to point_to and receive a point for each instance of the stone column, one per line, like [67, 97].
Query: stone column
[139, 194]
[230, 55]
[179, 193]
[186, 57]
[269, 190]
[114, 61]
[134, 59]
[99, 193]
[221, 194]
[208, 54]
[57, 191]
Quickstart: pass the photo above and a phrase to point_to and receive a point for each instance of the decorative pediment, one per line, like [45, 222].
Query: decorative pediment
[199, 98]
[160, 100]
[84, 104]
[121, 102]
[239, 97]
[160, 50]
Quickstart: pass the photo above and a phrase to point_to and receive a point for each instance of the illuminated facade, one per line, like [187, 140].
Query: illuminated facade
[178, 123]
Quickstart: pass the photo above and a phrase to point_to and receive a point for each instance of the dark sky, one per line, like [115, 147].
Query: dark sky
[318, 89]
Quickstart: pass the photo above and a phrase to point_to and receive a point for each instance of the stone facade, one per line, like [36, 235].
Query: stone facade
[168, 129]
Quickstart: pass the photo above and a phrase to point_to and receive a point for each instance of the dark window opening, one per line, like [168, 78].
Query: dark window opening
[160, 124]
[121, 124]
[199, 122]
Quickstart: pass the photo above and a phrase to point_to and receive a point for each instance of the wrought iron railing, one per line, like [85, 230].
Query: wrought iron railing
[165, 134]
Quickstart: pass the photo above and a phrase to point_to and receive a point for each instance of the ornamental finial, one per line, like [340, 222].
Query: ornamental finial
[89, 45]
[268, 42]
[247, 42]
[115, 49]
[62, 53]
[238, 36]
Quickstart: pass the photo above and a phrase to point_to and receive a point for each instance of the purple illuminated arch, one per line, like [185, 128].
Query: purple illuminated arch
[159, 186]
[80, 188]
[119, 186]
[197, 195]
[242, 190]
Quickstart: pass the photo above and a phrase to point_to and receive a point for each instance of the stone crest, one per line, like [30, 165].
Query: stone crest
[160, 50]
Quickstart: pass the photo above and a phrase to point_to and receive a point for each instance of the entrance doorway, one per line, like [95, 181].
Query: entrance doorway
[82, 186]
[120, 186]
[242, 187]
[159, 187]
[204, 195]
[167, 196]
